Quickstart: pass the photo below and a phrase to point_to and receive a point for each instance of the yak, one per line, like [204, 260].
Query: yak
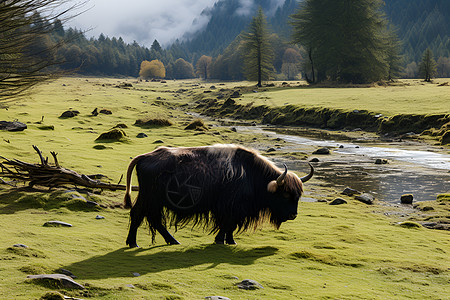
[222, 187]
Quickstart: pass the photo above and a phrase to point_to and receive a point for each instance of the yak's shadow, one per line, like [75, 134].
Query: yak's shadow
[124, 262]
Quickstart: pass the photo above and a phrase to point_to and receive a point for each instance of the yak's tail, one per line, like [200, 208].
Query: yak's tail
[127, 199]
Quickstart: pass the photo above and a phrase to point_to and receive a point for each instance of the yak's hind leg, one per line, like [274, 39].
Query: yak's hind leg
[136, 219]
[170, 240]
[225, 236]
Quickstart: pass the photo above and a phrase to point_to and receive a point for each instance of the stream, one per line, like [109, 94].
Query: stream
[413, 167]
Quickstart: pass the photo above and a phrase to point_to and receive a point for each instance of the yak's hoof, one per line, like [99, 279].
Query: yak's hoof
[133, 245]
[232, 242]
[174, 242]
[219, 242]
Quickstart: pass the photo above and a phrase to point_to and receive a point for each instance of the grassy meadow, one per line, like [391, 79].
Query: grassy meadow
[349, 251]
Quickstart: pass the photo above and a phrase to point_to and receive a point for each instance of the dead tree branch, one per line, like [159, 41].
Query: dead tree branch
[44, 174]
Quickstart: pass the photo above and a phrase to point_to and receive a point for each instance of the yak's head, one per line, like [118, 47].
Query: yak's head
[285, 192]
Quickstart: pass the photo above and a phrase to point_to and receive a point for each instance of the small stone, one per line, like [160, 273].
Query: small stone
[338, 201]
[315, 159]
[365, 198]
[105, 112]
[135, 274]
[20, 246]
[158, 142]
[249, 284]
[350, 192]
[381, 161]
[341, 146]
[271, 150]
[322, 151]
[217, 298]
[67, 272]
[61, 279]
[12, 126]
[57, 224]
[141, 135]
[427, 208]
[98, 217]
[407, 199]
[130, 286]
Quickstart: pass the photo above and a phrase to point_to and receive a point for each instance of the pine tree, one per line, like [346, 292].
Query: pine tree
[258, 53]
[346, 40]
[427, 67]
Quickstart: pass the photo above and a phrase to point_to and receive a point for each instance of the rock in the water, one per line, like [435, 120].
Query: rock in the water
[315, 159]
[381, 161]
[12, 126]
[324, 150]
[217, 298]
[407, 199]
[338, 201]
[365, 198]
[141, 135]
[20, 246]
[249, 284]
[57, 224]
[350, 192]
[63, 280]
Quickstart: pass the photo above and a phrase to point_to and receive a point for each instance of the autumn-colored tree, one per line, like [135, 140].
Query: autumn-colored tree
[203, 64]
[152, 69]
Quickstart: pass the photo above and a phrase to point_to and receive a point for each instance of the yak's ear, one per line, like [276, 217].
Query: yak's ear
[272, 186]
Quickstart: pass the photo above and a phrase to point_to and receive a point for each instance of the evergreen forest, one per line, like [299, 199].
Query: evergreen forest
[419, 24]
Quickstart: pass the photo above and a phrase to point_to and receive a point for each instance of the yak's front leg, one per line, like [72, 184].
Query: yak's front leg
[226, 236]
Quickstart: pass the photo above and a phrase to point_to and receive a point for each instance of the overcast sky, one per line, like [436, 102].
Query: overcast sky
[146, 20]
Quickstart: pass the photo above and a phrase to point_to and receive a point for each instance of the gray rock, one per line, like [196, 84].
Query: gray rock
[315, 159]
[20, 246]
[217, 298]
[249, 284]
[427, 208]
[158, 142]
[271, 150]
[338, 201]
[350, 192]
[57, 224]
[69, 114]
[322, 151]
[135, 274]
[61, 279]
[365, 198]
[407, 199]
[12, 126]
[91, 203]
[130, 286]
[98, 217]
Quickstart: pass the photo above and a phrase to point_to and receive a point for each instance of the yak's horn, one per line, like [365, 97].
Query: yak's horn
[280, 179]
[308, 177]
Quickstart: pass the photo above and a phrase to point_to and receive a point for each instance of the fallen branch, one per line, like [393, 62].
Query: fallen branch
[50, 176]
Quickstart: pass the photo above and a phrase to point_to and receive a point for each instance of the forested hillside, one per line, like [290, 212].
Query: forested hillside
[420, 24]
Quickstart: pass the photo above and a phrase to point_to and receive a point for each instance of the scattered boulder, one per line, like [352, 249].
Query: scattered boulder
[20, 246]
[94, 112]
[158, 142]
[407, 199]
[60, 279]
[249, 284]
[121, 125]
[427, 208]
[271, 150]
[114, 134]
[67, 272]
[322, 151]
[69, 114]
[57, 224]
[314, 159]
[338, 201]
[365, 198]
[350, 192]
[46, 127]
[12, 126]
[156, 122]
[98, 217]
[217, 298]
[135, 274]
[141, 135]
[106, 112]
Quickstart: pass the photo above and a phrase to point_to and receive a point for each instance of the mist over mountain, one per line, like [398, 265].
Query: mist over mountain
[420, 24]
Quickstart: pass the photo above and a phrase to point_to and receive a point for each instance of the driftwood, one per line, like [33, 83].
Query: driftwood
[51, 176]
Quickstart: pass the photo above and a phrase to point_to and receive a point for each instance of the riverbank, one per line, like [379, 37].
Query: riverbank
[408, 107]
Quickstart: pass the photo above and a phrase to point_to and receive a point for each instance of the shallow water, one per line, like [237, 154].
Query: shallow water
[425, 173]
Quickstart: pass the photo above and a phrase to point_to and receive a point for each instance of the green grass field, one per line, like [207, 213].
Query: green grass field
[350, 251]
[414, 97]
